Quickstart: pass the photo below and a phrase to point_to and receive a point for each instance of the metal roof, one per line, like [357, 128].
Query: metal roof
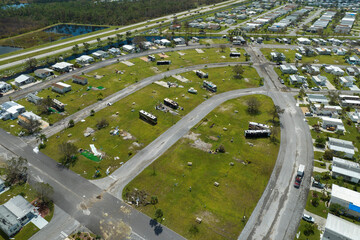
[341, 227]
[345, 194]
[19, 206]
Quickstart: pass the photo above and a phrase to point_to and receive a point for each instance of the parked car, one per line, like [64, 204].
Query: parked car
[282, 81]
[318, 184]
[1, 94]
[308, 114]
[297, 182]
[308, 218]
[315, 89]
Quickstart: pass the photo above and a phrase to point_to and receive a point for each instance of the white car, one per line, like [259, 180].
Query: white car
[308, 218]
[109, 103]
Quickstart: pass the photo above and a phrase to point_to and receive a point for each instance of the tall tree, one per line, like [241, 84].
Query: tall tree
[68, 151]
[31, 63]
[16, 170]
[253, 105]
[238, 71]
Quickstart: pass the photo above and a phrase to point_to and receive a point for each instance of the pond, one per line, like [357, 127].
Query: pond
[73, 30]
[5, 49]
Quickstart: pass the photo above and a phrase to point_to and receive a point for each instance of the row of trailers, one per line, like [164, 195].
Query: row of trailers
[152, 119]
[257, 130]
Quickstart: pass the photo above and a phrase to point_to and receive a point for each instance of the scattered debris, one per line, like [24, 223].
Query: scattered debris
[216, 184]
[88, 131]
[198, 220]
[231, 164]
[189, 163]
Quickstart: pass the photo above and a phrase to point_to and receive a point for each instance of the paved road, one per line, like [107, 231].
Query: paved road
[99, 211]
[118, 31]
[60, 226]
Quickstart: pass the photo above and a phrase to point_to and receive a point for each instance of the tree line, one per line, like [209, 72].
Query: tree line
[43, 13]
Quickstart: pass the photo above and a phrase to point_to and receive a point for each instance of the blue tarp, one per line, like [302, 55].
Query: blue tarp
[354, 207]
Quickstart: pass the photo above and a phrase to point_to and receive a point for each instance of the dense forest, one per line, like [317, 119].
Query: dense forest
[41, 13]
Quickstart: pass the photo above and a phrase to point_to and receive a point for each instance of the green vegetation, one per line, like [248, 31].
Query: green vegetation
[186, 192]
[124, 114]
[327, 179]
[304, 226]
[39, 14]
[315, 204]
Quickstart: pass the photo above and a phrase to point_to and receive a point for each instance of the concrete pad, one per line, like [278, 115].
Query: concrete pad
[329, 85]
[181, 78]
[181, 53]
[162, 83]
[127, 63]
[39, 222]
[199, 50]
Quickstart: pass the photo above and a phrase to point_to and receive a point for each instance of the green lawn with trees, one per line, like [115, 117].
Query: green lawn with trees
[218, 153]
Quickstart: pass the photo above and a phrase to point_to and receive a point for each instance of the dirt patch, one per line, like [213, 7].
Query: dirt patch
[163, 55]
[208, 217]
[224, 108]
[156, 70]
[213, 138]
[144, 59]
[304, 109]
[192, 136]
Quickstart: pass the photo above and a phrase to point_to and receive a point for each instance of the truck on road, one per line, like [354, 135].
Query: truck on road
[299, 175]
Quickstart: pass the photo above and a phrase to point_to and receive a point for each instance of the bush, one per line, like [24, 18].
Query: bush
[42, 145]
[328, 155]
[71, 123]
[103, 123]
[193, 229]
[309, 229]
[315, 202]
[221, 149]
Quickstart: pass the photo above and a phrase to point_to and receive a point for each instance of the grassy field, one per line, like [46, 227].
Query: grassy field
[301, 229]
[319, 59]
[142, 132]
[321, 210]
[221, 208]
[79, 97]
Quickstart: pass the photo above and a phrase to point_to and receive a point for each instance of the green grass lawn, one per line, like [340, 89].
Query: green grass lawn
[329, 181]
[301, 229]
[319, 165]
[321, 210]
[80, 98]
[320, 59]
[146, 99]
[241, 186]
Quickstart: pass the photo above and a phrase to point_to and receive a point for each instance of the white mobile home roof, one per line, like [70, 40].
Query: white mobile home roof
[346, 172]
[62, 65]
[22, 78]
[19, 206]
[341, 227]
[345, 194]
[336, 121]
[63, 84]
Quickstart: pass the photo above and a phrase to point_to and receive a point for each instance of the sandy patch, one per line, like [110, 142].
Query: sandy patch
[304, 109]
[144, 59]
[156, 70]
